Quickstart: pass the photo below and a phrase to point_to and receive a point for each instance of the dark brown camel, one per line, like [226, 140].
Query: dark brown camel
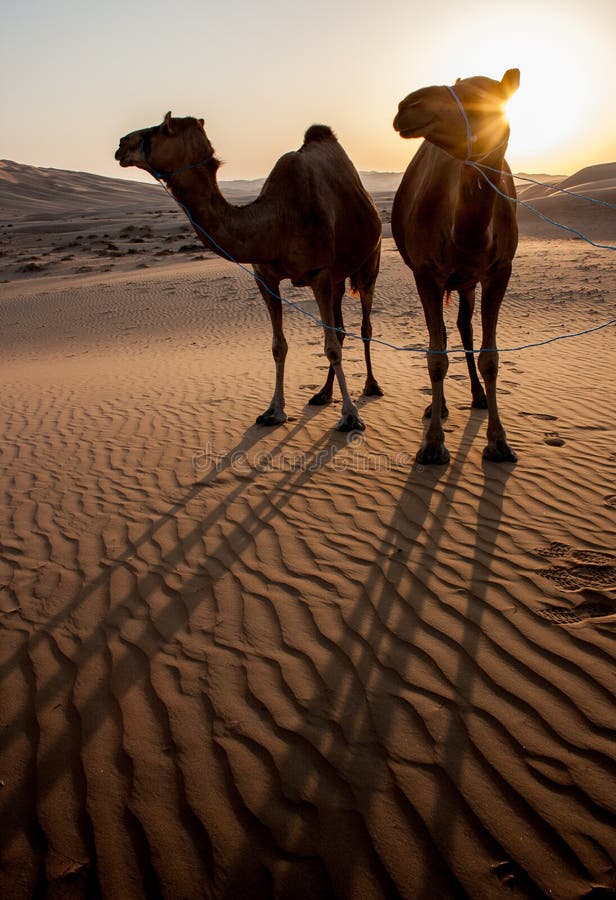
[313, 222]
[455, 232]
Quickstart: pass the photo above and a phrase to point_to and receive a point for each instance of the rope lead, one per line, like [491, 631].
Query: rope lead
[304, 312]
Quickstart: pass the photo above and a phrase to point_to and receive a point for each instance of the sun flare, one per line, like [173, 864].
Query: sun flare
[561, 78]
[542, 118]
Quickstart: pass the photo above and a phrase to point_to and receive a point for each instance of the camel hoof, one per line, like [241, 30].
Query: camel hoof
[480, 402]
[428, 412]
[432, 455]
[499, 451]
[350, 422]
[320, 399]
[269, 417]
[373, 389]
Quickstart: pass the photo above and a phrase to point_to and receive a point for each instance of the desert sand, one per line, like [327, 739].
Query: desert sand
[243, 662]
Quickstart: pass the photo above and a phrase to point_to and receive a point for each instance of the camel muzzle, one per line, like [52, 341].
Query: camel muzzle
[129, 152]
[411, 120]
[121, 152]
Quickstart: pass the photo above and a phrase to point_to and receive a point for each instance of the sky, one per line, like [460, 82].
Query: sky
[75, 77]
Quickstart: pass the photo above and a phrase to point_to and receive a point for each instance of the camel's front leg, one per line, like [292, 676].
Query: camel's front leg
[275, 413]
[444, 407]
[433, 450]
[497, 449]
[324, 294]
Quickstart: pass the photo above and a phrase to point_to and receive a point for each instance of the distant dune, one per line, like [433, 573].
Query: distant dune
[29, 193]
[596, 183]
[32, 192]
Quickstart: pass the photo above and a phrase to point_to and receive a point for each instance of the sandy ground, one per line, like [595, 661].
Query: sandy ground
[244, 662]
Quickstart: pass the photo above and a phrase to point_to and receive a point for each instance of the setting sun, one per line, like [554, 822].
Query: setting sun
[555, 113]
[545, 117]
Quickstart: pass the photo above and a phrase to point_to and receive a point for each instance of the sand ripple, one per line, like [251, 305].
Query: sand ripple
[239, 662]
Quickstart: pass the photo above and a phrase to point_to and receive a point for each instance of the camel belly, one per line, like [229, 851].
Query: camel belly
[462, 279]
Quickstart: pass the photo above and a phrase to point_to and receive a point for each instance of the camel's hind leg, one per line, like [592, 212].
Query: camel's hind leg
[324, 292]
[497, 450]
[275, 413]
[465, 327]
[324, 395]
[365, 284]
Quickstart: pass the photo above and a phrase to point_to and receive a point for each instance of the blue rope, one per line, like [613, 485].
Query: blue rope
[304, 312]
[541, 215]
[475, 164]
[552, 187]
[469, 131]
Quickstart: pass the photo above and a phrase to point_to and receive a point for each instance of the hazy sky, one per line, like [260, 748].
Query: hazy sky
[74, 77]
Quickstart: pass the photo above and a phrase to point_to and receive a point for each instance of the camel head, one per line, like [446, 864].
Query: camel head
[472, 131]
[173, 145]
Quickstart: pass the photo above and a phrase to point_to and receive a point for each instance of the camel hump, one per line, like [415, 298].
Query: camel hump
[319, 133]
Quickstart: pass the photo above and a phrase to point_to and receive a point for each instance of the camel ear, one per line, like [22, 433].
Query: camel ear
[511, 81]
[458, 80]
[167, 126]
[202, 123]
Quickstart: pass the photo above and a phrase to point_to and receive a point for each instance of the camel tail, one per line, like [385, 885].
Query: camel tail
[319, 133]
[354, 289]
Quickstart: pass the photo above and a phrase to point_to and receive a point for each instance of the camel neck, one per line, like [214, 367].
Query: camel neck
[232, 232]
[474, 205]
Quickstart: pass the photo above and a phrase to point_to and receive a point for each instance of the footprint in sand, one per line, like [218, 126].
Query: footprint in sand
[553, 439]
[545, 417]
[560, 615]
[610, 500]
[580, 569]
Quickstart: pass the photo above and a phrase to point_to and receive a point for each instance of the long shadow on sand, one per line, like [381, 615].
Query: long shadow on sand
[391, 657]
[20, 801]
[362, 803]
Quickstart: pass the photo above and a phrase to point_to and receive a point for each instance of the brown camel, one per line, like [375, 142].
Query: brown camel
[313, 222]
[454, 232]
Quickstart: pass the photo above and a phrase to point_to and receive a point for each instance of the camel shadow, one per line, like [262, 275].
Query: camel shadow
[364, 679]
[125, 607]
[388, 634]
[451, 812]
[417, 606]
[353, 714]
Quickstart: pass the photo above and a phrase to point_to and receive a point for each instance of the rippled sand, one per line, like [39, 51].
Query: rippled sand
[238, 662]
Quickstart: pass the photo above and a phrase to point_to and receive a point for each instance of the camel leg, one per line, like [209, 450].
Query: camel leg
[465, 327]
[497, 449]
[366, 284]
[324, 294]
[444, 407]
[433, 449]
[275, 413]
[324, 396]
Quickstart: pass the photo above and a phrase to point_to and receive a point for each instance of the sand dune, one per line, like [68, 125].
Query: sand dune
[36, 194]
[242, 662]
[594, 183]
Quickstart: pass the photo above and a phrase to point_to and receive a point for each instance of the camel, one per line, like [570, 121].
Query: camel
[313, 223]
[455, 232]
